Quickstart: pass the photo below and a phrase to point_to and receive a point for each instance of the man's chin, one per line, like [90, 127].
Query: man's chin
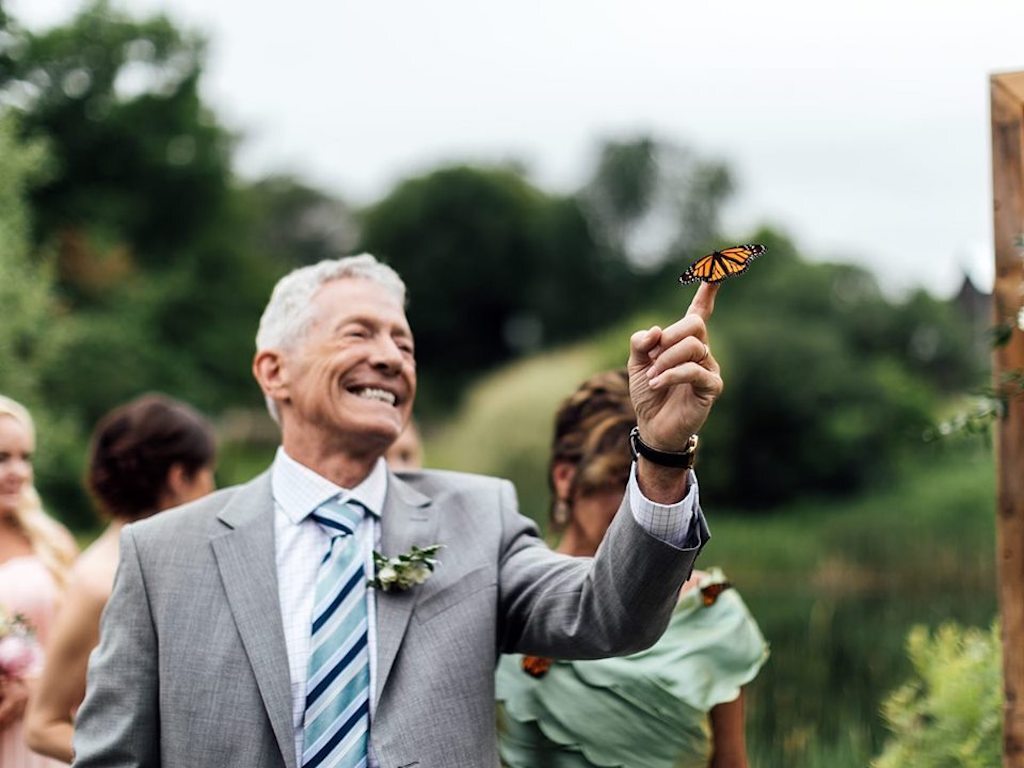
[380, 431]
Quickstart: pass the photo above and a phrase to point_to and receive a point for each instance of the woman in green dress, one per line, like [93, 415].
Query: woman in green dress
[678, 704]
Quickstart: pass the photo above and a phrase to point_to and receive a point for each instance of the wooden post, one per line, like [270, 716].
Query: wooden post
[1008, 201]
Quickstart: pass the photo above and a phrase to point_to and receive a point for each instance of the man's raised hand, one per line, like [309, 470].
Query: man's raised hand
[673, 376]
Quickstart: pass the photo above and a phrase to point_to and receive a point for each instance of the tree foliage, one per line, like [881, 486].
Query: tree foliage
[827, 381]
[26, 289]
[292, 224]
[35, 327]
[655, 202]
[141, 210]
[140, 163]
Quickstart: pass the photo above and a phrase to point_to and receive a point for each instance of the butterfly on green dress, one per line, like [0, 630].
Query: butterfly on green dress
[710, 593]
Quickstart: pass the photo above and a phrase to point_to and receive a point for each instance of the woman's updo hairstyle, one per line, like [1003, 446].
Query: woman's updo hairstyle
[135, 445]
[592, 433]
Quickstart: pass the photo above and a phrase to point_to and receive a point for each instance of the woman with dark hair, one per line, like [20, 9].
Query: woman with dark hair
[146, 456]
[678, 704]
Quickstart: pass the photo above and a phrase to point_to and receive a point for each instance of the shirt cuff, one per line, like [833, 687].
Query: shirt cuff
[669, 523]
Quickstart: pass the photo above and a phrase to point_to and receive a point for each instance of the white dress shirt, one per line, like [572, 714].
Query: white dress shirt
[299, 545]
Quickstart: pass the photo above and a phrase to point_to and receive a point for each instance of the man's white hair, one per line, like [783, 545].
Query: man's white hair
[290, 311]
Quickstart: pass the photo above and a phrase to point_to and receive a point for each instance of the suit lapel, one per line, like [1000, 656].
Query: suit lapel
[247, 563]
[408, 518]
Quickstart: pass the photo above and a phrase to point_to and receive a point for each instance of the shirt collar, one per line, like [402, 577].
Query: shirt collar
[298, 490]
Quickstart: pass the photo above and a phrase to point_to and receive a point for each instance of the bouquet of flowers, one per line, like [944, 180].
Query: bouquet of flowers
[20, 653]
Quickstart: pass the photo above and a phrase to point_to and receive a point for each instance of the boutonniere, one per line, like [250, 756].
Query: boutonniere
[403, 571]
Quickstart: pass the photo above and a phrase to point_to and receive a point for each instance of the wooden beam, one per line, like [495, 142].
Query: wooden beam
[1007, 92]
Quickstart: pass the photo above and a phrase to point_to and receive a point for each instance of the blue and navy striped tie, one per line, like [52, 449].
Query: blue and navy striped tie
[336, 725]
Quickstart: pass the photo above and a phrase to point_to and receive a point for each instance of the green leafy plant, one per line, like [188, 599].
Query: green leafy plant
[949, 715]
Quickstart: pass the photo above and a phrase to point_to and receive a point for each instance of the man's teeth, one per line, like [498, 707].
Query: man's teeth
[377, 394]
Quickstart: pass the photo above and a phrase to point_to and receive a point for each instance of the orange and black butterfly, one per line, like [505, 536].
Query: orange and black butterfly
[718, 265]
[536, 666]
[710, 593]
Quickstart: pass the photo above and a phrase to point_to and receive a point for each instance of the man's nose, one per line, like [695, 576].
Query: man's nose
[387, 355]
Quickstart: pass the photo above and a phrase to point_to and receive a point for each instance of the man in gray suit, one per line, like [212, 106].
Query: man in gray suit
[242, 630]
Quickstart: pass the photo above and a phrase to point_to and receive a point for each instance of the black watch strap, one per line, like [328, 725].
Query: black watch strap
[678, 459]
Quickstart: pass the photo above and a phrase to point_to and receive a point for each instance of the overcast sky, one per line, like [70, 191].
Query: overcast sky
[861, 128]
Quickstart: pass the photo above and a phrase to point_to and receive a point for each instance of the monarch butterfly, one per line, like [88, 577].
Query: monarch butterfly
[711, 592]
[718, 265]
[536, 666]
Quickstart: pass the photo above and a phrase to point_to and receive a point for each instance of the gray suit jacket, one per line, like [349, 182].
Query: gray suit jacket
[191, 669]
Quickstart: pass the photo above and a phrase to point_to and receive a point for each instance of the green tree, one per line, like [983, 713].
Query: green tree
[34, 328]
[654, 201]
[813, 402]
[150, 230]
[140, 164]
[294, 224]
[26, 286]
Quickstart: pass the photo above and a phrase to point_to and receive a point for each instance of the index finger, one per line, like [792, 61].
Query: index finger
[703, 303]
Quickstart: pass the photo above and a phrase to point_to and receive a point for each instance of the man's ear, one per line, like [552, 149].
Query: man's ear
[562, 475]
[271, 373]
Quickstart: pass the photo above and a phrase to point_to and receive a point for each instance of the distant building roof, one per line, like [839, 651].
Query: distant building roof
[975, 303]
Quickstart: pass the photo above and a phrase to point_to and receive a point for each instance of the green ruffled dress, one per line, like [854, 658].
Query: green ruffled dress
[648, 710]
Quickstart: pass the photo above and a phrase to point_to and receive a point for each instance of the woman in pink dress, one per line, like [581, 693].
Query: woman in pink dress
[35, 554]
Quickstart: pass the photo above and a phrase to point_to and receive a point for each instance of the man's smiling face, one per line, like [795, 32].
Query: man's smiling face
[352, 378]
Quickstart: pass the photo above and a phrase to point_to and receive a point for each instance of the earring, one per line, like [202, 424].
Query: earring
[560, 513]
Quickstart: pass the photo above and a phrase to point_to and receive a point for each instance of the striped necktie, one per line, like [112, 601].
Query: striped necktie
[337, 720]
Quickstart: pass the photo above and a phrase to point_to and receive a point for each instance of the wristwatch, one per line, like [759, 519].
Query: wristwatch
[679, 459]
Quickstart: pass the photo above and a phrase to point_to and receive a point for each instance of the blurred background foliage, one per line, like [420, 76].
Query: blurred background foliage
[134, 258]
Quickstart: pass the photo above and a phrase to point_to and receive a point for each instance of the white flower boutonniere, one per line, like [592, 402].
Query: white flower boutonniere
[403, 571]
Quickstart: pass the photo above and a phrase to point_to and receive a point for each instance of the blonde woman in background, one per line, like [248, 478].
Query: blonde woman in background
[35, 554]
[678, 704]
[146, 456]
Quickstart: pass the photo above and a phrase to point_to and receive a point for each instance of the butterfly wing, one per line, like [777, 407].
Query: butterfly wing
[701, 269]
[717, 266]
[536, 666]
[710, 593]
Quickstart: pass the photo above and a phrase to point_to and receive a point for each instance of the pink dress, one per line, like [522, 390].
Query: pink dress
[26, 587]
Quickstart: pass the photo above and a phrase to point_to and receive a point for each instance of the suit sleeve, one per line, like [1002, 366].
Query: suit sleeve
[617, 603]
[118, 723]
